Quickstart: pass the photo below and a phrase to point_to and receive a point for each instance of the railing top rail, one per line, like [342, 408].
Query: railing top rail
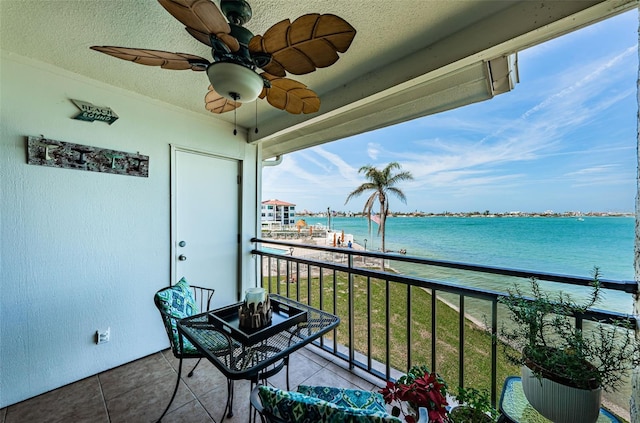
[630, 287]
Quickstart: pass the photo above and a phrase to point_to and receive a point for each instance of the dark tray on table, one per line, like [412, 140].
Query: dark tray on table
[283, 317]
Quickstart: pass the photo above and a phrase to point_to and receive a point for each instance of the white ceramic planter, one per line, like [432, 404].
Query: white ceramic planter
[560, 403]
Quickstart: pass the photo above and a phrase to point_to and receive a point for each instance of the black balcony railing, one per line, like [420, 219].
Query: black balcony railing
[361, 285]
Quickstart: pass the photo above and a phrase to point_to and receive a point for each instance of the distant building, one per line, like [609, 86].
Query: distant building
[277, 214]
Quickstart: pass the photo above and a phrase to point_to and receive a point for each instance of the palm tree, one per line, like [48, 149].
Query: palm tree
[381, 183]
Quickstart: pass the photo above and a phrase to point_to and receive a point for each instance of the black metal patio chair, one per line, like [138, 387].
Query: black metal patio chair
[177, 302]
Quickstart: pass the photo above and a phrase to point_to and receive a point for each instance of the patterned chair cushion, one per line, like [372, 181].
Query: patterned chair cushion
[177, 301]
[354, 398]
[298, 408]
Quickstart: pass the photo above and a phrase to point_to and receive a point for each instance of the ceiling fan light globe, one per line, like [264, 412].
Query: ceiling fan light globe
[235, 82]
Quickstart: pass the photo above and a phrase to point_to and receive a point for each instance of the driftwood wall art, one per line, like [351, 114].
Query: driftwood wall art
[47, 152]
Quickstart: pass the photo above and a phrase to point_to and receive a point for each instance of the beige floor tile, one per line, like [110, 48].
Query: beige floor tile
[326, 377]
[316, 355]
[132, 375]
[205, 377]
[147, 402]
[81, 401]
[351, 376]
[215, 401]
[300, 369]
[192, 412]
[188, 363]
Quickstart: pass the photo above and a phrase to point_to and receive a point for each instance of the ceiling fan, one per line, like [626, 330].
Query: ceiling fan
[299, 47]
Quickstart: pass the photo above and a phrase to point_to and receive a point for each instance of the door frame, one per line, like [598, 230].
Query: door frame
[173, 237]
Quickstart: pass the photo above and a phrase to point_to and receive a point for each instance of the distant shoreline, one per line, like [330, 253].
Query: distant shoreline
[572, 215]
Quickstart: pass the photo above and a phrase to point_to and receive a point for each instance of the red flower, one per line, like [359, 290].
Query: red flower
[419, 388]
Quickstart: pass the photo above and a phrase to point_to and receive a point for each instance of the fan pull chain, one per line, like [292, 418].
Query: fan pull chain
[235, 121]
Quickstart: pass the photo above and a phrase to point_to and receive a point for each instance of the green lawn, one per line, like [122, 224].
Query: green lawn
[477, 347]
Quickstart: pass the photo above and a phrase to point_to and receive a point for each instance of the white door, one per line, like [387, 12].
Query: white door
[205, 223]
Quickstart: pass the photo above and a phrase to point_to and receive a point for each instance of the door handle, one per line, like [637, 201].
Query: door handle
[182, 257]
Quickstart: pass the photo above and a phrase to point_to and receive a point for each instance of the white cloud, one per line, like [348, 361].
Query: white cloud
[594, 170]
[373, 151]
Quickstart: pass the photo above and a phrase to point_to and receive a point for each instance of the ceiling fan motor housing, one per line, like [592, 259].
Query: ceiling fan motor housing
[243, 35]
[236, 11]
[222, 53]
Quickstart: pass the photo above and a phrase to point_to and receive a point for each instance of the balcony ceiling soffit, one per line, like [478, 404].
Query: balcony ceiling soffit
[403, 50]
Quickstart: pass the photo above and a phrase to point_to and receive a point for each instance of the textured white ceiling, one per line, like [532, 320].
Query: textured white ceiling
[60, 32]
[397, 41]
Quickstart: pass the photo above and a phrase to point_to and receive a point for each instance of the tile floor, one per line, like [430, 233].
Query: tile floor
[138, 392]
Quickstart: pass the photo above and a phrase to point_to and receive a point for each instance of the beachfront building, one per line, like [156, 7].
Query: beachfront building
[85, 251]
[277, 214]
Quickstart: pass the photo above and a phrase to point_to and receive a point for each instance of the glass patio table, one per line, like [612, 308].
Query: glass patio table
[248, 354]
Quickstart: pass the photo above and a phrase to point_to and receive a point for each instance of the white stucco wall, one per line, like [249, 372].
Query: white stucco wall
[81, 251]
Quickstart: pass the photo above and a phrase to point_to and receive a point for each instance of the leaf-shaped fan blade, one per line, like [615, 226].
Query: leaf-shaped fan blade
[202, 16]
[164, 59]
[229, 40]
[215, 103]
[311, 41]
[292, 96]
[200, 36]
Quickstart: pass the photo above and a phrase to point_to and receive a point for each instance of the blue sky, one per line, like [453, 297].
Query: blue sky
[564, 140]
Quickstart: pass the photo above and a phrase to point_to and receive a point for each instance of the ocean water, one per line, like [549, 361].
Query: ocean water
[562, 245]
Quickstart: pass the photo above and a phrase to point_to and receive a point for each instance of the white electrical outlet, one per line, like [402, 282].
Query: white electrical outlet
[103, 336]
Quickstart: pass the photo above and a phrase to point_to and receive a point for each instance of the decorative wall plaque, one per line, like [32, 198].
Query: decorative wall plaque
[47, 152]
[89, 112]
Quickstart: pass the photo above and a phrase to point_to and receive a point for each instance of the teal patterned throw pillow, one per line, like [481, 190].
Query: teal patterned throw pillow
[354, 398]
[295, 407]
[178, 302]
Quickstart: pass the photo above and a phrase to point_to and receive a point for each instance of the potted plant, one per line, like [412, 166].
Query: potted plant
[419, 388]
[565, 369]
[474, 407]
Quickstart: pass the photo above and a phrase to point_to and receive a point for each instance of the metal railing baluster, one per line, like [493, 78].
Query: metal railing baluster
[321, 293]
[369, 354]
[309, 282]
[494, 352]
[387, 329]
[433, 330]
[351, 312]
[409, 319]
[462, 315]
[335, 309]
